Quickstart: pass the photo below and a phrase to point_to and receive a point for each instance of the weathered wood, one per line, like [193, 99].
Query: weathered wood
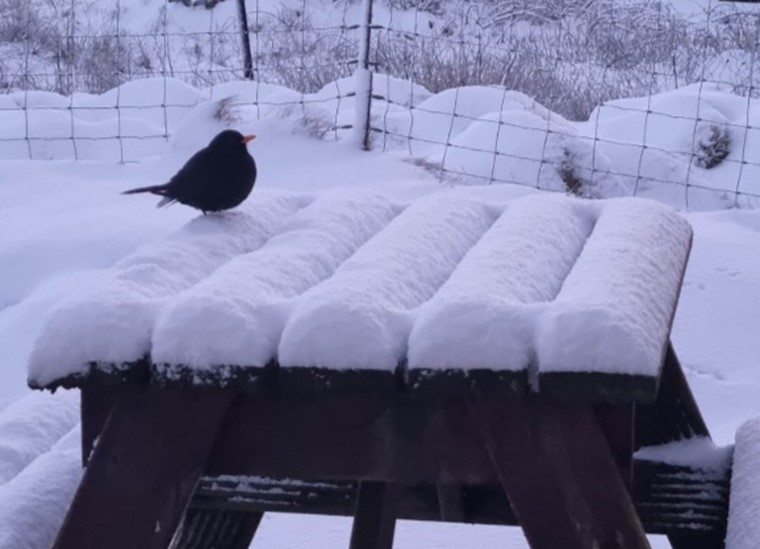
[597, 387]
[375, 516]
[675, 414]
[143, 471]
[311, 381]
[97, 400]
[450, 502]
[690, 506]
[672, 500]
[559, 476]
[216, 529]
[617, 424]
[351, 436]
[451, 383]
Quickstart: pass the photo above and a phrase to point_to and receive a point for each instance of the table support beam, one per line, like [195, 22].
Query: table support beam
[560, 476]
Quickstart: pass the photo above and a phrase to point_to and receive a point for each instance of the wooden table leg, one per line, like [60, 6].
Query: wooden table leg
[559, 474]
[144, 468]
[375, 516]
[450, 502]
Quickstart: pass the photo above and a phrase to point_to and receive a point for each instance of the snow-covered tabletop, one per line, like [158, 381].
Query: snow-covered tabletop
[539, 291]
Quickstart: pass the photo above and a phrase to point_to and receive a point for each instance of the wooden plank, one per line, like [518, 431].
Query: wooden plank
[671, 500]
[217, 529]
[144, 469]
[452, 383]
[617, 424]
[310, 381]
[97, 400]
[351, 436]
[375, 516]
[675, 414]
[597, 387]
[559, 475]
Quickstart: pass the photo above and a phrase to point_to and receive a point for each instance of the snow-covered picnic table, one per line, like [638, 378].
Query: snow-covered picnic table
[451, 341]
[543, 290]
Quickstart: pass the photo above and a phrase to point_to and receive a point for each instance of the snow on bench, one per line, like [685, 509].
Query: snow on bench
[482, 316]
[351, 283]
[744, 504]
[618, 300]
[112, 322]
[31, 426]
[236, 316]
[361, 317]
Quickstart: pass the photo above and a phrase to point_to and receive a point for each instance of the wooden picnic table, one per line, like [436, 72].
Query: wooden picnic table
[192, 452]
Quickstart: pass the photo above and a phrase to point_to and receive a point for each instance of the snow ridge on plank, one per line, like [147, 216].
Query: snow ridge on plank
[33, 504]
[361, 317]
[111, 323]
[31, 426]
[744, 503]
[482, 317]
[615, 308]
[236, 316]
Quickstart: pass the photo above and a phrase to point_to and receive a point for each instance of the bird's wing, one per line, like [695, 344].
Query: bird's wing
[189, 180]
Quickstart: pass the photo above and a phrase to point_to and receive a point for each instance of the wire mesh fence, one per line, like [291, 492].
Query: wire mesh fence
[596, 98]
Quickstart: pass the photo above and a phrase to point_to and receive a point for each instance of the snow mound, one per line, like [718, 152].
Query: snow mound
[693, 147]
[112, 321]
[697, 452]
[236, 316]
[483, 315]
[744, 505]
[34, 503]
[360, 318]
[518, 146]
[618, 300]
[31, 426]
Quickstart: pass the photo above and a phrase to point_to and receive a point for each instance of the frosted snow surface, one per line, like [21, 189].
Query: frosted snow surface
[31, 426]
[350, 280]
[697, 452]
[236, 316]
[482, 317]
[617, 302]
[33, 503]
[361, 317]
[112, 321]
[744, 505]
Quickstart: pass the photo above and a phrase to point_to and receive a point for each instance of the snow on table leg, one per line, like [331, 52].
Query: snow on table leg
[744, 504]
[483, 316]
[34, 503]
[31, 426]
[112, 322]
[614, 311]
[236, 316]
[360, 318]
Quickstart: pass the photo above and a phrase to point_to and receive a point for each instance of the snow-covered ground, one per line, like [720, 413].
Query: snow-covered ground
[62, 222]
[694, 148]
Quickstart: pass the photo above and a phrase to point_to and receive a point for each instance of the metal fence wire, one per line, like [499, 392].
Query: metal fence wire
[596, 98]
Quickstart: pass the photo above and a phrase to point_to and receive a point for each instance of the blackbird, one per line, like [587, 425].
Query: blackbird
[218, 177]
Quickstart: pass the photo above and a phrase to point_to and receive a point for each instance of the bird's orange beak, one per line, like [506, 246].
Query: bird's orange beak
[248, 138]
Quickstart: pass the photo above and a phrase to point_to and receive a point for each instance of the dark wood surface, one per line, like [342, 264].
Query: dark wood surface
[374, 515]
[207, 528]
[672, 500]
[560, 477]
[447, 443]
[348, 436]
[675, 414]
[144, 469]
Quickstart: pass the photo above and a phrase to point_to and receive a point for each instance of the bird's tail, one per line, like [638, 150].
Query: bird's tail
[155, 189]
